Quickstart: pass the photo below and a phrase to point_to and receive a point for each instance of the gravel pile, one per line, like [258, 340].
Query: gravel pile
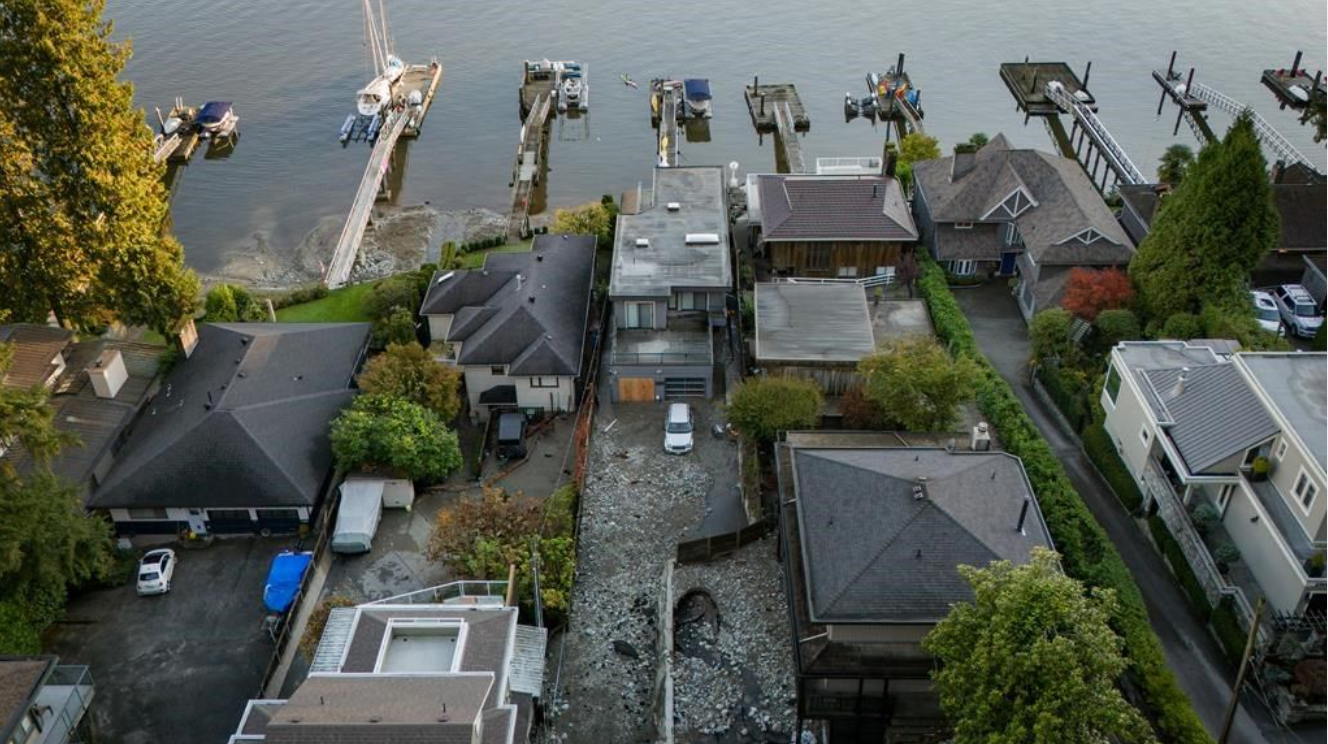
[733, 664]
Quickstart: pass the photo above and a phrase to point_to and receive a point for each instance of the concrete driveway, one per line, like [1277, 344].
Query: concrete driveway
[1192, 653]
[177, 667]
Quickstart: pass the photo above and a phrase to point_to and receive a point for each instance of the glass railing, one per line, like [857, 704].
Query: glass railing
[491, 593]
[69, 692]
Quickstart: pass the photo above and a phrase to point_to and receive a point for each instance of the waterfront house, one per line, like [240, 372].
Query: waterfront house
[871, 538]
[817, 332]
[444, 664]
[1005, 211]
[236, 438]
[671, 278]
[1243, 433]
[42, 701]
[516, 328]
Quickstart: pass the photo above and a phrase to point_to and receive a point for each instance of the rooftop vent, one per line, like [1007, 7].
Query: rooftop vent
[1180, 381]
[673, 206]
[108, 373]
[540, 256]
[444, 277]
[920, 488]
[643, 242]
[702, 238]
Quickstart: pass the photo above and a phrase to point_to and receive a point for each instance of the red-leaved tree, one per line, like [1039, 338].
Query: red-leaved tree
[1090, 291]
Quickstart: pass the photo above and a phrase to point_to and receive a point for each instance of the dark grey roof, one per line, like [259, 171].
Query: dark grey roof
[1300, 208]
[243, 422]
[32, 349]
[871, 552]
[1297, 386]
[834, 208]
[1066, 203]
[668, 262]
[1213, 416]
[497, 323]
[981, 242]
[812, 322]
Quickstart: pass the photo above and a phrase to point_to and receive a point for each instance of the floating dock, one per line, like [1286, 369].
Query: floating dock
[1294, 87]
[179, 145]
[423, 80]
[542, 79]
[893, 98]
[1178, 88]
[1027, 82]
[761, 102]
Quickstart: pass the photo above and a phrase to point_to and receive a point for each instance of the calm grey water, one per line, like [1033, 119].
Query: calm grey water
[292, 68]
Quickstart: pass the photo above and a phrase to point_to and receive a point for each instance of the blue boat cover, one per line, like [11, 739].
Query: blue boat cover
[213, 112]
[696, 89]
[283, 580]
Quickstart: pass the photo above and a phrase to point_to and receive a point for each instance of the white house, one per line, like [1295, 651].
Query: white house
[1190, 423]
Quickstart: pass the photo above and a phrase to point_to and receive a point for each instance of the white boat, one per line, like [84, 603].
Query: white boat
[373, 97]
[573, 94]
[377, 94]
[216, 119]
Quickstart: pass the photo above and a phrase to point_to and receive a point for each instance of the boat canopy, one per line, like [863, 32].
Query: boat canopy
[283, 580]
[697, 89]
[213, 112]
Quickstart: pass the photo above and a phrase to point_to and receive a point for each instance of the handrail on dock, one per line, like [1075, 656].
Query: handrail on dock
[348, 245]
[1280, 146]
[1115, 155]
[792, 145]
[532, 134]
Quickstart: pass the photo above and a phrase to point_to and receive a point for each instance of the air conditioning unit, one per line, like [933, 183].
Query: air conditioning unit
[673, 206]
[981, 440]
[702, 238]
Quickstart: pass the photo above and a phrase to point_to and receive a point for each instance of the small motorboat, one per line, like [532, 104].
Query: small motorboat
[1299, 93]
[696, 95]
[573, 92]
[216, 119]
[853, 107]
[629, 82]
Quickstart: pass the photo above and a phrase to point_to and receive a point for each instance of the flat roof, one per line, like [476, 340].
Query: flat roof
[1297, 385]
[666, 260]
[812, 322]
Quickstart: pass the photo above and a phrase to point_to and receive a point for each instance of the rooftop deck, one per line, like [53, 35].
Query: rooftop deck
[685, 342]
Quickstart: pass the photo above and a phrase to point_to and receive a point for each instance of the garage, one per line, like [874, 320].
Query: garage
[685, 387]
[636, 389]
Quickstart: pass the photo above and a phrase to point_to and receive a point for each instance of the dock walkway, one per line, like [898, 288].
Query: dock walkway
[348, 245]
[526, 171]
[788, 137]
[669, 145]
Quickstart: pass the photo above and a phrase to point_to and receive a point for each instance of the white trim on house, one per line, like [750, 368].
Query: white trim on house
[1012, 204]
[432, 623]
[1088, 236]
[1303, 476]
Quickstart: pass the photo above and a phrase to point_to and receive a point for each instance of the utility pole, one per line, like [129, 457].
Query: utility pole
[1240, 676]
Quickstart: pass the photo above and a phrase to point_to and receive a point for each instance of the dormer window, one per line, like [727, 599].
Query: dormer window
[963, 225]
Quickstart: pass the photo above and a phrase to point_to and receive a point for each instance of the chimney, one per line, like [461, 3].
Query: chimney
[519, 279]
[108, 373]
[188, 337]
[1180, 381]
[1023, 514]
[964, 155]
[889, 160]
[981, 439]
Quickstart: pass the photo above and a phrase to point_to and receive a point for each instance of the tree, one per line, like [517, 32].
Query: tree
[1211, 231]
[1174, 163]
[1032, 660]
[1114, 326]
[400, 292]
[397, 327]
[917, 384]
[220, 305]
[907, 271]
[1049, 334]
[1090, 291]
[25, 419]
[764, 406]
[916, 147]
[1182, 326]
[394, 433]
[861, 412]
[83, 206]
[592, 218]
[979, 140]
[409, 371]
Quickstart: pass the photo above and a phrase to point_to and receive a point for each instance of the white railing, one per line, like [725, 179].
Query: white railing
[457, 592]
[875, 280]
[1116, 157]
[1272, 138]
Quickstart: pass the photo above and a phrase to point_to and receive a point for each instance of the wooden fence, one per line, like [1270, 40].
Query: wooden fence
[705, 549]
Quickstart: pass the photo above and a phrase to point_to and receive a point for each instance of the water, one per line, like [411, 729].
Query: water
[292, 69]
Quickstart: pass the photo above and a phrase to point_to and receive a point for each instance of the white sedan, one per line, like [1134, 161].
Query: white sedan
[155, 571]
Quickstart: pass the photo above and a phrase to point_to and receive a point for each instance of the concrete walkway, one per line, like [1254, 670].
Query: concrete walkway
[1193, 654]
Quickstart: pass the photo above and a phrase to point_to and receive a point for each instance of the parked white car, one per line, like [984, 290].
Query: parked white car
[678, 428]
[1299, 311]
[155, 571]
[1265, 311]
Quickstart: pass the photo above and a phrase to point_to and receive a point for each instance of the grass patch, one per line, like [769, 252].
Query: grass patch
[152, 337]
[344, 305]
[1101, 450]
[475, 259]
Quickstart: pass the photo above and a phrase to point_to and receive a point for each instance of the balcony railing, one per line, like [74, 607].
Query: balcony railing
[64, 699]
[488, 593]
[661, 359]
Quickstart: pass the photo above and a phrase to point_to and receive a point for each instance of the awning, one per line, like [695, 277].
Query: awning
[499, 395]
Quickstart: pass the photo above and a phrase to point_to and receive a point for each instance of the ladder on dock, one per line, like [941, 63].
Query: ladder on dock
[525, 174]
[784, 123]
[1271, 138]
[348, 245]
[1087, 121]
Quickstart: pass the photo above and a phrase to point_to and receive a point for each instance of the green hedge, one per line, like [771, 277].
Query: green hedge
[1102, 451]
[1229, 631]
[1086, 552]
[1180, 567]
[1066, 393]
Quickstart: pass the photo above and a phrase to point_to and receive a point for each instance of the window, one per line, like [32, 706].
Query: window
[1143, 434]
[544, 382]
[1112, 385]
[684, 300]
[818, 257]
[147, 513]
[639, 314]
[279, 515]
[1305, 490]
[1281, 449]
[497, 370]
[848, 272]
[963, 268]
[963, 225]
[228, 515]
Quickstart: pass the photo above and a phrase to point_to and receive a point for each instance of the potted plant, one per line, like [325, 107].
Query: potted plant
[1260, 469]
[1204, 517]
[1225, 555]
[1314, 565]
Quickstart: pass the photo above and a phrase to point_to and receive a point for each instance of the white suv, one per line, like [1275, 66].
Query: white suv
[1266, 312]
[1299, 312]
[678, 426]
[155, 571]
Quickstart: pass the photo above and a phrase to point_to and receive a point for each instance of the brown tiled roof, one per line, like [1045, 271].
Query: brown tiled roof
[20, 678]
[34, 346]
[870, 208]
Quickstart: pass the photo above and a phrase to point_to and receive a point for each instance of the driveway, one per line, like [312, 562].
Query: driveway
[1192, 653]
[178, 667]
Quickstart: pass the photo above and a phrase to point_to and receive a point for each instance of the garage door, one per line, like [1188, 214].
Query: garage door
[684, 387]
[636, 389]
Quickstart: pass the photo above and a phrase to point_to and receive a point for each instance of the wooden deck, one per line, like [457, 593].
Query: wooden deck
[423, 78]
[1027, 82]
[526, 171]
[1280, 82]
[763, 99]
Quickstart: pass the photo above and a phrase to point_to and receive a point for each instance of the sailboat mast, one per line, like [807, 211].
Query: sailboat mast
[375, 44]
[386, 34]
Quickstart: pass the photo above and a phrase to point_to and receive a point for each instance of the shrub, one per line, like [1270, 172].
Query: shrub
[1230, 631]
[390, 294]
[313, 629]
[1226, 553]
[917, 384]
[861, 412]
[393, 433]
[397, 327]
[409, 371]
[1205, 517]
[1311, 676]
[1102, 451]
[220, 307]
[1068, 390]
[1049, 334]
[1194, 591]
[764, 406]
[1114, 326]
[1183, 326]
[300, 296]
[1089, 292]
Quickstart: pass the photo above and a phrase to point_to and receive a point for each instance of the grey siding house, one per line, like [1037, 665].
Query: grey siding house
[671, 276]
[1011, 212]
[816, 332]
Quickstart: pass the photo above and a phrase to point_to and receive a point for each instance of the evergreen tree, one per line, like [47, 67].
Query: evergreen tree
[1210, 232]
[82, 204]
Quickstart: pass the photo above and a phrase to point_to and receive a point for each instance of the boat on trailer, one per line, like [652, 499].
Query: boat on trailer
[216, 119]
[696, 97]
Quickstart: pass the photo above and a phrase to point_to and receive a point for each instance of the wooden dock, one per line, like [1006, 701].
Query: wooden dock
[1280, 82]
[425, 79]
[178, 146]
[664, 116]
[788, 137]
[891, 91]
[1027, 82]
[762, 100]
[530, 156]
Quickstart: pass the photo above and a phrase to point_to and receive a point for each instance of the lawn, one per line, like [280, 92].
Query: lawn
[475, 259]
[342, 305]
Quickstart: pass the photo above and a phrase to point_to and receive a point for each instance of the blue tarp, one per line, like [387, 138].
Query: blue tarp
[283, 580]
[213, 112]
[696, 89]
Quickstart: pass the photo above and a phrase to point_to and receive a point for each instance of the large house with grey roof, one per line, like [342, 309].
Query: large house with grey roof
[999, 210]
[516, 328]
[1190, 422]
[236, 438]
[872, 536]
[671, 278]
[445, 664]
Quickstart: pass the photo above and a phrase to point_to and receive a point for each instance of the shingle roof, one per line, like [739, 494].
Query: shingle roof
[495, 319]
[1066, 202]
[20, 681]
[812, 322]
[1213, 416]
[33, 348]
[871, 552]
[243, 422]
[1300, 207]
[834, 208]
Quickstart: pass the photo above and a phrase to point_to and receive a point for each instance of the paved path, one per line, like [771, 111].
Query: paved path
[1192, 653]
